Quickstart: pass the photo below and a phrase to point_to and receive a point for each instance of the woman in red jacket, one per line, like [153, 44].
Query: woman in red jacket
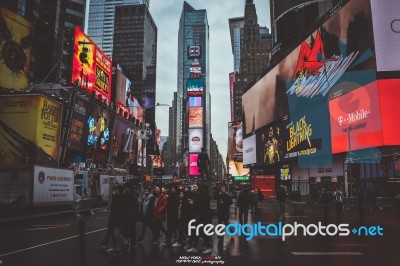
[160, 214]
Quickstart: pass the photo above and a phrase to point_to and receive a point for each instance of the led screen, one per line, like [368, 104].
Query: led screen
[195, 139]
[193, 168]
[195, 117]
[195, 101]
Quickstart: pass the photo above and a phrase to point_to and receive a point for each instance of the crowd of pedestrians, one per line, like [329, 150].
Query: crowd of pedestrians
[174, 206]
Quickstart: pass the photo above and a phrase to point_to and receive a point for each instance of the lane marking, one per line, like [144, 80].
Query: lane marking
[49, 243]
[327, 253]
[46, 228]
[40, 225]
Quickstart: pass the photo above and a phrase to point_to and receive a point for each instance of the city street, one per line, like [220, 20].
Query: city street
[55, 241]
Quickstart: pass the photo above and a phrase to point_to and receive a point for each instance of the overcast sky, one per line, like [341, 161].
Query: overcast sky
[166, 15]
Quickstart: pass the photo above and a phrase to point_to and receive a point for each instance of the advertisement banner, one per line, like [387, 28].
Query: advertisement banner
[195, 139]
[91, 68]
[15, 187]
[105, 188]
[123, 92]
[386, 19]
[250, 150]
[195, 86]
[194, 51]
[193, 168]
[232, 94]
[99, 123]
[75, 135]
[266, 184]
[320, 67]
[235, 141]
[123, 142]
[195, 117]
[356, 120]
[52, 185]
[237, 169]
[16, 49]
[195, 102]
[30, 130]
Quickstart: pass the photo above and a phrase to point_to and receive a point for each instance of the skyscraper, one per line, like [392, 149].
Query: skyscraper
[101, 21]
[251, 46]
[193, 31]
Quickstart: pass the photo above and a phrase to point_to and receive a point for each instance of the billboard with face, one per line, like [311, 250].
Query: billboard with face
[30, 130]
[15, 40]
[123, 95]
[195, 139]
[91, 68]
[235, 141]
[195, 117]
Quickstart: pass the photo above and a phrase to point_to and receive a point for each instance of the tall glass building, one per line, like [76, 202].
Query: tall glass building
[193, 30]
[101, 17]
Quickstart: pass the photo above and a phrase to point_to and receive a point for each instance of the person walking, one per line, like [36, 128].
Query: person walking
[110, 227]
[224, 202]
[131, 198]
[183, 219]
[253, 202]
[260, 200]
[119, 222]
[326, 201]
[203, 162]
[172, 214]
[159, 214]
[338, 196]
[146, 214]
[243, 204]
[281, 197]
[203, 214]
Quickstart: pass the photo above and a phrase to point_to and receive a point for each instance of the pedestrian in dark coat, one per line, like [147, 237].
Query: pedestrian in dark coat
[224, 202]
[146, 210]
[172, 213]
[244, 204]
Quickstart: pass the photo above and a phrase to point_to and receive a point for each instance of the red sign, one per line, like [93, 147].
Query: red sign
[356, 120]
[266, 184]
[193, 168]
[91, 68]
[389, 95]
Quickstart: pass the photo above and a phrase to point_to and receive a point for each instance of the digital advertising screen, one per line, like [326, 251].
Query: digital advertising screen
[232, 94]
[340, 51]
[123, 94]
[250, 150]
[195, 117]
[195, 101]
[123, 141]
[193, 168]
[75, 135]
[195, 139]
[194, 51]
[99, 124]
[195, 86]
[356, 120]
[235, 141]
[16, 47]
[91, 68]
[237, 169]
[30, 130]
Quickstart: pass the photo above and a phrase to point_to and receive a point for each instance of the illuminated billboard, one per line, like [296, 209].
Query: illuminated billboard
[15, 41]
[250, 150]
[123, 142]
[194, 51]
[195, 101]
[75, 135]
[195, 139]
[123, 94]
[91, 68]
[232, 94]
[195, 117]
[99, 123]
[193, 168]
[235, 141]
[237, 169]
[30, 130]
[356, 119]
[195, 86]
[322, 65]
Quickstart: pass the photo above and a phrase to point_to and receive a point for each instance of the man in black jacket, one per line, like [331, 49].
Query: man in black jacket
[224, 202]
[146, 214]
[172, 213]
[244, 204]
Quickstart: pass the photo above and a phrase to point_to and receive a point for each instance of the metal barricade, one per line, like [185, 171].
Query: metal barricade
[385, 202]
[349, 202]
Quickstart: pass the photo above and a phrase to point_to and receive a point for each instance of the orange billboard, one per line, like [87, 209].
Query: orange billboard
[195, 117]
[29, 130]
[15, 36]
[91, 68]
